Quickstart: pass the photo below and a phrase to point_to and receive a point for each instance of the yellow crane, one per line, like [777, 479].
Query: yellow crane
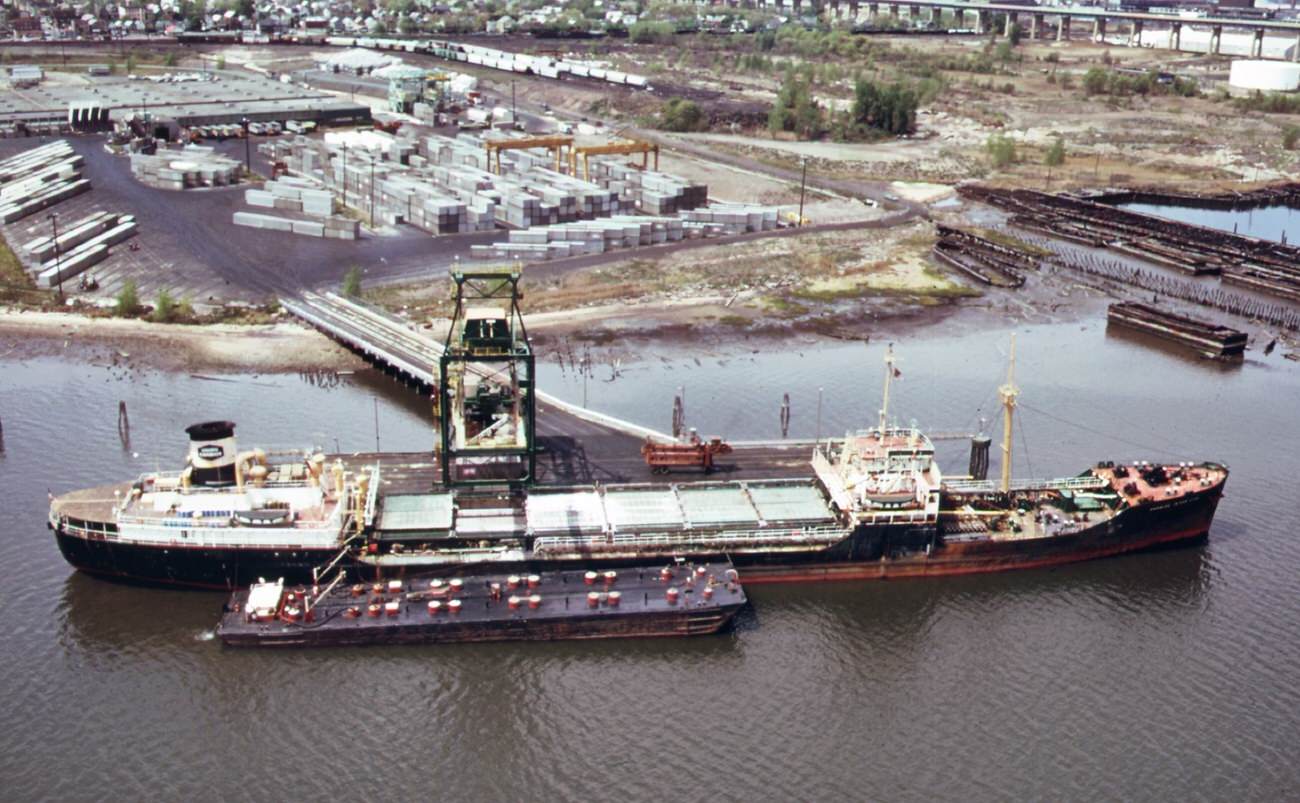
[626, 147]
[553, 144]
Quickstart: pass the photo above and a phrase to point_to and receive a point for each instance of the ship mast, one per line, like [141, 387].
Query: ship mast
[1008, 392]
[889, 376]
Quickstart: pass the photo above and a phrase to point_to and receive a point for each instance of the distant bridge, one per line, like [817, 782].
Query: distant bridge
[1063, 17]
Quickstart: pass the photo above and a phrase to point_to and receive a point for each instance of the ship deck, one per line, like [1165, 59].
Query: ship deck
[90, 504]
[1181, 481]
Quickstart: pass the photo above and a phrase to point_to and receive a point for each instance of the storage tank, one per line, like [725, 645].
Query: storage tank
[1267, 76]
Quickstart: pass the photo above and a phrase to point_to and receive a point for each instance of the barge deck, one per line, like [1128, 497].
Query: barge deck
[678, 599]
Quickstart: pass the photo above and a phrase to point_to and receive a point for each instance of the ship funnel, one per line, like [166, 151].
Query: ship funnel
[212, 453]
[979, 456]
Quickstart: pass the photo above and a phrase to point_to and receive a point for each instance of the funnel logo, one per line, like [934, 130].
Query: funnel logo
[211, 452]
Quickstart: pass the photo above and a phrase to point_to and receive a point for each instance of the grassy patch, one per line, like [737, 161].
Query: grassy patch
[1002, 238]
[16, 286]
[784, 307]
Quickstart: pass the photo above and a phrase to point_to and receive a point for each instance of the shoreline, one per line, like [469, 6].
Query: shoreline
[281, 347]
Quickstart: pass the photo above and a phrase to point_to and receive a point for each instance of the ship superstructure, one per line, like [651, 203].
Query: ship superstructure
[225, 517]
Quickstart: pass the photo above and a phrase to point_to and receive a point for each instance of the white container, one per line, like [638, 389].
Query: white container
[1268, 76]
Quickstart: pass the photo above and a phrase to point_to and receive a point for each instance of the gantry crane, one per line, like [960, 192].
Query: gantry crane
[628, 146]
[556, 144]
[486, 408]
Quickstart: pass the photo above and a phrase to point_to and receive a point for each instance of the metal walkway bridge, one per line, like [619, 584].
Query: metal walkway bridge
[395, 347]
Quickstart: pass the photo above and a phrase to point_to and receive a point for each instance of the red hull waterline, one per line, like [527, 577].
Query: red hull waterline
[923, 566]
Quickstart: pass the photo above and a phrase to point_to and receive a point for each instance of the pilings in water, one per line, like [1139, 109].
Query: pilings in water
[123, 425]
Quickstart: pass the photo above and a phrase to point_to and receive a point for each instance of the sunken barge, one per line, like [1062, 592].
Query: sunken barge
[678, 599]
[1209, 339]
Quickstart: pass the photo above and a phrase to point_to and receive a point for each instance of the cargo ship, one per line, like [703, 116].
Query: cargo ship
[873, 505]
[677, 599]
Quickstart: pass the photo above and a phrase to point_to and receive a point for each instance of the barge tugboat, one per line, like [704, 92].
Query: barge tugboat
[679, 599]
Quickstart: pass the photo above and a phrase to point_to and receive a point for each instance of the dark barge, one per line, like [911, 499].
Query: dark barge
[982, 259]
[1212, 340]
[677, 599]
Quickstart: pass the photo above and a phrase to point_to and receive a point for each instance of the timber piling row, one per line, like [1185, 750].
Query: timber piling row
[1279, 315]
[1265, 266]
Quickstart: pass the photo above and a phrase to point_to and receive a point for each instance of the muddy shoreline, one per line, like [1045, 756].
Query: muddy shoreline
[629, 329]
[282, 347]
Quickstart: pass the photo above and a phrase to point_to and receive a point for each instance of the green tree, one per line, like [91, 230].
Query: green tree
[1095, 81]
[164, 307]
[169, 60]
[1055, 156]
[647, 32]
[1290, 137]
[1001, 150]
[795, 110]
[127, 301]
[352, 282]
[884, 109]
[130, 62]
[221, 62]
[1017, 33]
[679, 114]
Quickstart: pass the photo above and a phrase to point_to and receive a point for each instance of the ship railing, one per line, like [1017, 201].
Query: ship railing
[321, 571]
[216, 520]
[990, 486]
[729, 538]
[896, 516]
[372, 497]
[171, 481]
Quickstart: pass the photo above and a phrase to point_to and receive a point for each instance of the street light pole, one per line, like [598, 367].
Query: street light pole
[372, 190]
[53, 217]
[248, 148]
[803, 182]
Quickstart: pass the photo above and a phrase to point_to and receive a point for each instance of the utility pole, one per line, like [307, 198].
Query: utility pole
[53, 217]
[248, 148]
[372, 191]
[514, 115]
[803, 183]
[345, 174]
[819, 415]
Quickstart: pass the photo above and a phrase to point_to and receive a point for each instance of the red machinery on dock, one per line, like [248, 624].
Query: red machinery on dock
[690, 452]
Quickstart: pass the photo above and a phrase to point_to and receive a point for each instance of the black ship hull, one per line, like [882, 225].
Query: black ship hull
[881, 552]
[1167, 523]
[195, 567]
[867, 552]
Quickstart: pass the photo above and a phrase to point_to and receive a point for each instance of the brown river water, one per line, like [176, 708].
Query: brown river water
[1169, 675]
